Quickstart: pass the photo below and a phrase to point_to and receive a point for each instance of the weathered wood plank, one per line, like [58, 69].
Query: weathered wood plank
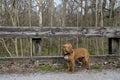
[46, 32]
[54, 59]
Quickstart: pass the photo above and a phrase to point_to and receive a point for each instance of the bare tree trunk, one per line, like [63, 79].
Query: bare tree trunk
[50, 11]
[63, 19]
[112, 4]
[13, 17]
[64, 13]
[16, 40]
[6, 48]
[101, 24]
[16, 47]
[77, 27]
[96, 13]
[96, 24]
[86, 13]
[17, 18]
[30, 25]
[14, 22]
[82, 23]
[86, 21]
[40, 12]
[101, 21]
[21, 46]
[51, 21]
[40, 20]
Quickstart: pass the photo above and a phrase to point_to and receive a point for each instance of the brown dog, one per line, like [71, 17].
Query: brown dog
[71, 55]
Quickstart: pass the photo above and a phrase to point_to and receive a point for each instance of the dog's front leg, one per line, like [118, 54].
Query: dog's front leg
[73, 65]
[68, 65]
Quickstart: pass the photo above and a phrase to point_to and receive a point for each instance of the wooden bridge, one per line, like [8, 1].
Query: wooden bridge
[36, 33]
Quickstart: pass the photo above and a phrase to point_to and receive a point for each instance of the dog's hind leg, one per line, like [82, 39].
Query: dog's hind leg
[83, 63]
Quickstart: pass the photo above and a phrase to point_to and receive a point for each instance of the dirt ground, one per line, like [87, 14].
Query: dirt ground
[38, 67]
[108, 70]
[32, 71]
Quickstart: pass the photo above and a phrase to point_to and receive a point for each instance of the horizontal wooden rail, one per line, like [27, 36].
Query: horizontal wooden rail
[54, 59]
[46, 32]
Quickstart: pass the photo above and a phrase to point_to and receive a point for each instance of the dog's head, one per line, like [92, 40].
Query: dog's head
[67, 48]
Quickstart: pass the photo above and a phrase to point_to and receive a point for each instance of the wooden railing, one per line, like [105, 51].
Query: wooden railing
[36, 33]
[46, 32]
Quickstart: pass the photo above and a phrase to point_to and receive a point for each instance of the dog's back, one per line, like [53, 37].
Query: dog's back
[81, 52]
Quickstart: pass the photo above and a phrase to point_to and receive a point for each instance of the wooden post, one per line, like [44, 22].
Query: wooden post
[113, 45]
[36, 46]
